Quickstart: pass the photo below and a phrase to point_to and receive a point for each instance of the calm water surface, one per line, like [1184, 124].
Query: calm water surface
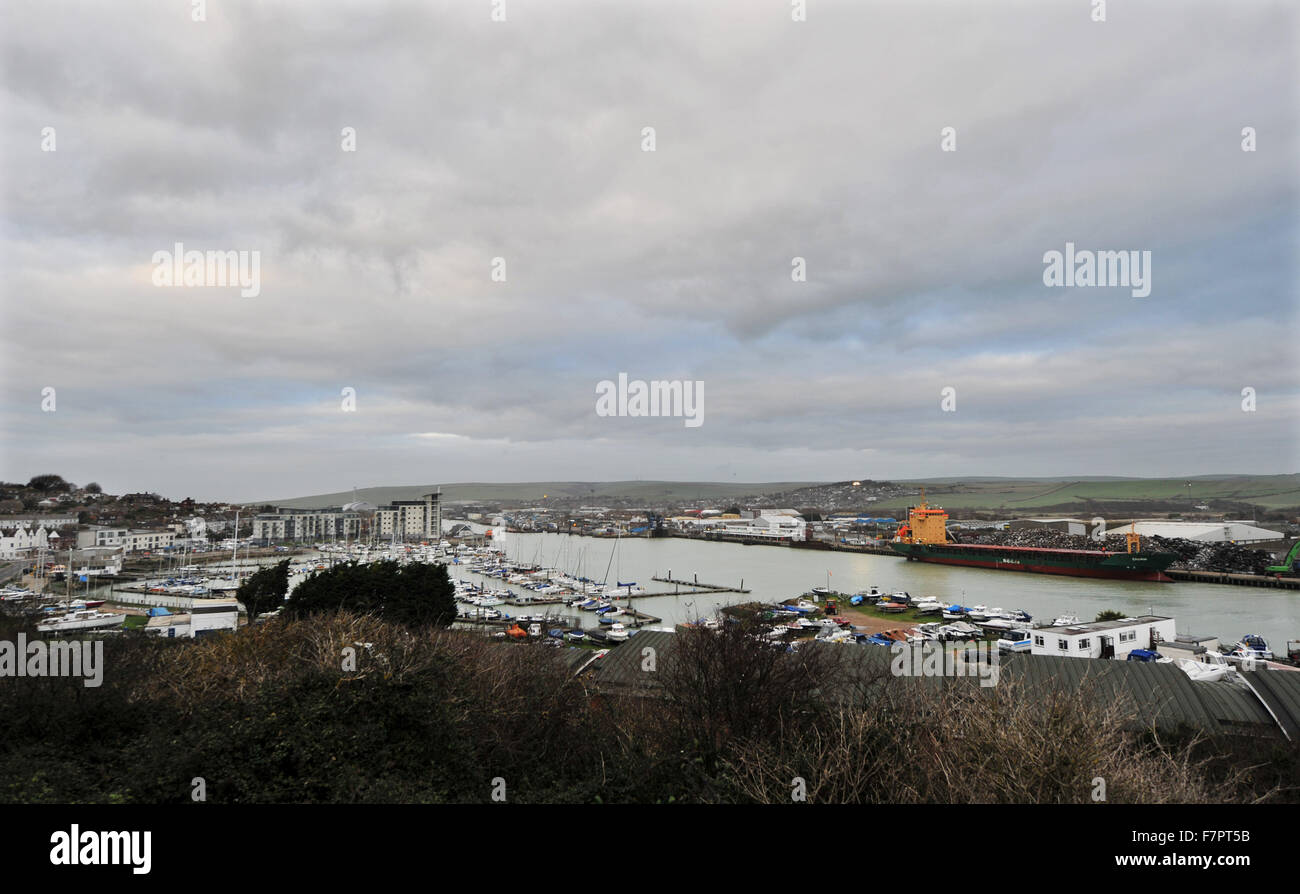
[774, 573]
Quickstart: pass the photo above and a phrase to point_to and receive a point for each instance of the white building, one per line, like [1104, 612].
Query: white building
[22, 541]
[208, 616]
[307, 524]
[1206, 532]
[1103, 639]
[137, 541]
[96, 561]
[102, 535]
[777, 527]
[205, 618]
[171, 626]
[413, 519]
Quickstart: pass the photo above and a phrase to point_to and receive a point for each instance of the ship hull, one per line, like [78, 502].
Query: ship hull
[1115, 566]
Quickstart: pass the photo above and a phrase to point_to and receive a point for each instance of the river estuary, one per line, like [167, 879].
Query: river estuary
[775, 573]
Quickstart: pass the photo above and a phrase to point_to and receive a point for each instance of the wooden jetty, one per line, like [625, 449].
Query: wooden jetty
[696, 588]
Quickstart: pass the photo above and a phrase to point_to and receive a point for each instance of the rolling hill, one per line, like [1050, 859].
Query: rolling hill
[1014, 496]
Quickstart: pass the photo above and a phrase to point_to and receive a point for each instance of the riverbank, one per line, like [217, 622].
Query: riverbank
[775, 575]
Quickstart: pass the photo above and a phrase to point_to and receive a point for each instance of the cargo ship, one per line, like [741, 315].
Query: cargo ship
[925, 539]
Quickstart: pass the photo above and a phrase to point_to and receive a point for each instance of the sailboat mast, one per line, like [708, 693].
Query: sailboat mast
[234, 555]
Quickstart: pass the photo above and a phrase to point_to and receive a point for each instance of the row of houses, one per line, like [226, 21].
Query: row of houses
[27, 540]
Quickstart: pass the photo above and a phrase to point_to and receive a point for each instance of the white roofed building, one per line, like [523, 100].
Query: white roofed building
[1205, 532]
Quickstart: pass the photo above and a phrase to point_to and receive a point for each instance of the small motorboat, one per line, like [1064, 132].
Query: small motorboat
[576, 635]
[1252, 645]
[1015, 641]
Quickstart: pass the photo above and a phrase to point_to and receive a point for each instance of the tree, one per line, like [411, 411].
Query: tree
[417, 595]
[94, 488]
[49, 484]
[1109, 615]
[264, 590]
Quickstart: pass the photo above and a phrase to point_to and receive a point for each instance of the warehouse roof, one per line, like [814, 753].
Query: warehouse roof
[1210, 532]
[1161, 694]
[629, 666]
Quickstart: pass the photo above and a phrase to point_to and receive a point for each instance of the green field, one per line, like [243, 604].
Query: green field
[1265, 491]
[1013, 495]
[650, 491]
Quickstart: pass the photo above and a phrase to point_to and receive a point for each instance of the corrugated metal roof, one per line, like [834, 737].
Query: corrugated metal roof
[1161, 694]
[1280, 692]
[625, 665]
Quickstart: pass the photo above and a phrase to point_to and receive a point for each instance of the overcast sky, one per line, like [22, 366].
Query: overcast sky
[523, 140]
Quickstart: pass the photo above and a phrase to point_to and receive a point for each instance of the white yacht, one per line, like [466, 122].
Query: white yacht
[84, 619]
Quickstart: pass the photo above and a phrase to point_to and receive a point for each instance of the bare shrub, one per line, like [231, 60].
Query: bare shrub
[731, 683]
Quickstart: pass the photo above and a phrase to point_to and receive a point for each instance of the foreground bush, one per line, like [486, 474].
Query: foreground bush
[349, 708]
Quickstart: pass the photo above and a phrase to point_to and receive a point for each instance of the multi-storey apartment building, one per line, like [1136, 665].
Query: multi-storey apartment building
[411, 519]
[307, 525]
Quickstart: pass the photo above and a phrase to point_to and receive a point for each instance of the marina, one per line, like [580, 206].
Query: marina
[775, 574]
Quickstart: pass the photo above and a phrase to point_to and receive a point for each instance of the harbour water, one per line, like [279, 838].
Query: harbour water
[774, 573]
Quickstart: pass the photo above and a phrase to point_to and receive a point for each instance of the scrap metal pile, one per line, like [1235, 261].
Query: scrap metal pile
[1192, 555]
